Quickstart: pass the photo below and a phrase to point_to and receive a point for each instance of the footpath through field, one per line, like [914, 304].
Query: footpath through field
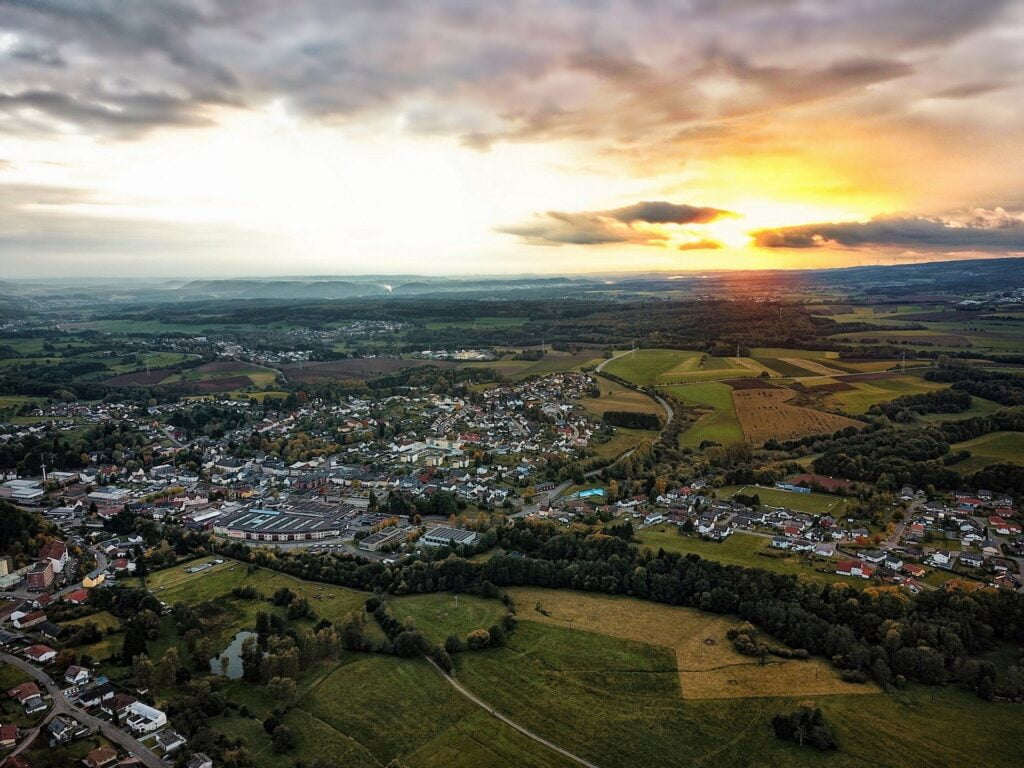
[511, 723]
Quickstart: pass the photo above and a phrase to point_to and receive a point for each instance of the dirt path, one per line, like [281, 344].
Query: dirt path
[511, 723]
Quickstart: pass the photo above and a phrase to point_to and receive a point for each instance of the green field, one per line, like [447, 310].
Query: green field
[993, 448]
[812, 503]
[623, 439]
[719, 423]
[868, 393]
[479, 322]
[740, 549]
[552, 362]
[644, 366]
[618, 703]
[440, 614]
[599, 693]
[979, 407]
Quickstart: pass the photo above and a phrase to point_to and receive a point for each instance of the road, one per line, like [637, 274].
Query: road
[62, 706]
[669, 412]
[511, 723]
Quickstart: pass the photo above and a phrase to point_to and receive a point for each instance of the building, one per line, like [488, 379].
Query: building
[199, 760]
[76, 675]
[100, 757]
[39, 577]
[443, 536]
[25, 620]
[284, 525]
[40, 654]
[143, 718]
[61, 729]
[382, 539]
[169, 741]
[57, 553]
[8, 736]
[29, 697]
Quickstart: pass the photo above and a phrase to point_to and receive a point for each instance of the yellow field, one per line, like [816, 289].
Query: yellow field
[764, 414]
[812, 365]
[615, 397]
[709, 667]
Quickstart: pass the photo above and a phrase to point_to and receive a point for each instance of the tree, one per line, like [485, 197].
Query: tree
[134, 643]
[283, 690]
[804, 725]
[284, 739]
[252, 660]
[143, 668]
[478, 639]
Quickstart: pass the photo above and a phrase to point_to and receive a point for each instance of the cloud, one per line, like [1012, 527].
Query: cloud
[700, 245]
[984, 230]
[615, 225]
[658, 212]
[626, 72]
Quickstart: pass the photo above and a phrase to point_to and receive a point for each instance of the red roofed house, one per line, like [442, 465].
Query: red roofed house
[8, 736]
[917, 571]
[29, 696]
[77, 597]
[41, 654]
[57, 553]
[100, 757]
[855, 568]
[26, 620]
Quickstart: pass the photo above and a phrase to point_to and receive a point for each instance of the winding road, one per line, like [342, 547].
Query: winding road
[61, 706]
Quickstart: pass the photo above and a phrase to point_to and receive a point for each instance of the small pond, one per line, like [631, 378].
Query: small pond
[233, 653]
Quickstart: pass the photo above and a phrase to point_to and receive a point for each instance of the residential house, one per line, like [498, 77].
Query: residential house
[8, 736]
[100, 757]
[61, 730]
[95, 696]
[28, 696]
[76, 675]
[972, 559]
[169, 741]
[199, 760]
[22, 620]
[143, 718]
[118, 706]
[855, 568]
[942, 558]
[40, 654]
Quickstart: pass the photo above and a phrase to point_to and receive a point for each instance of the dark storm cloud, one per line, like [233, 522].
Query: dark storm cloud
[660, 212]
[612, 226]
[525, 70]
[985, 231]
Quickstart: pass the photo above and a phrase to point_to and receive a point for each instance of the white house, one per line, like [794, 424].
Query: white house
[143, 718]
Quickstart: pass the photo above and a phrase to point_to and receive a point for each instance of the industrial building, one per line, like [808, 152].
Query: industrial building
[284, 525]
[443, 536]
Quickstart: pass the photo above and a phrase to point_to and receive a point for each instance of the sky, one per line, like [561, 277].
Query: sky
[257, 137]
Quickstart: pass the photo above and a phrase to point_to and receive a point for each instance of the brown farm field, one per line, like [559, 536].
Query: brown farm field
[709, 667]
[357, 368]
[140, 378]
[765, 414]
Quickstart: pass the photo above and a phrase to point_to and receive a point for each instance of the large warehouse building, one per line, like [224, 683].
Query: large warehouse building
[284, 524]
